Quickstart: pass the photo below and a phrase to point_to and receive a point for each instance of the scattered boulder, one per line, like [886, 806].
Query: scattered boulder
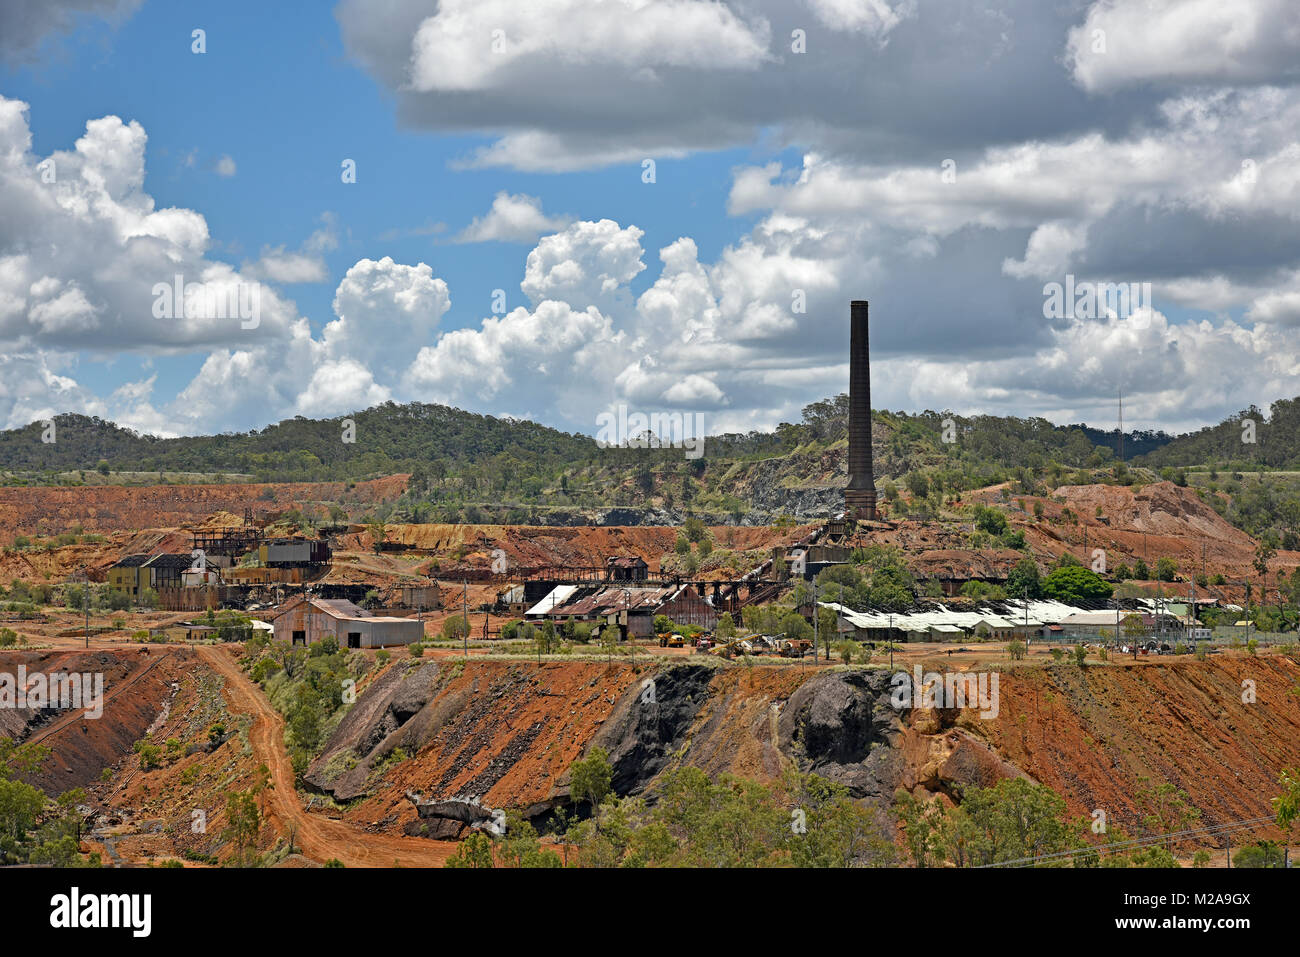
[451, 818]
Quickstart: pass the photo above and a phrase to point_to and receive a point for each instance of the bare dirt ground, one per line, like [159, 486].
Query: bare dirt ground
[1160, 520]
[134, 685]
[1155, 521]
[1092, 734]
[50, 510]
[318, 837]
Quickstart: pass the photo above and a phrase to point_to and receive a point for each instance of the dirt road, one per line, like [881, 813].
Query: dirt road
[317, 837]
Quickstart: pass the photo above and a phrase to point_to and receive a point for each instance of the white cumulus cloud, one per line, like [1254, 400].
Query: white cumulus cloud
[513, 218]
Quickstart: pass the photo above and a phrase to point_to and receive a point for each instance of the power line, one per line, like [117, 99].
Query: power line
[1137, 843]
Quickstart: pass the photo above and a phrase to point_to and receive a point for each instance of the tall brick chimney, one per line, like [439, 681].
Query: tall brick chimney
[860, 493]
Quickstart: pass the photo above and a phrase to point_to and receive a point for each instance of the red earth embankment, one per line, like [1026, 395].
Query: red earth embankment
[582, 545]
[50, 510]
[505, 732]
[135, 687]
[1220, 729]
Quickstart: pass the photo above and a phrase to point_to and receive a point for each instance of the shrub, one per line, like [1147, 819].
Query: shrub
[1073, 583]
[1260, 854]
[150, 754]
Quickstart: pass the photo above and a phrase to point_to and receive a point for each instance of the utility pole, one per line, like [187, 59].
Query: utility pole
[464, 611]
[1248, 610]
[1121, 425]
[891, 642]
[1026, 616]
[816, 619]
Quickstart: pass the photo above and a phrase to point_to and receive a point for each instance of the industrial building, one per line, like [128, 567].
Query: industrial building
[124, 574]
[632, 606]
[426, 597]
[293, 552]
[134, 573]
[513, 601]
[166, 571]
[1037, 619]
[626, 568]
[934, 621]
[229, 543]
[1104, 624]
[304, 621]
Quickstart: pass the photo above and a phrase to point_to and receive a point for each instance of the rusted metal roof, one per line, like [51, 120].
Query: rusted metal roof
[611, 600]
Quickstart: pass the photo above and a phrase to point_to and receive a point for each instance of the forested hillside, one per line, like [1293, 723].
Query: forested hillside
[459, 457]
[385, 439]
[1244, 439]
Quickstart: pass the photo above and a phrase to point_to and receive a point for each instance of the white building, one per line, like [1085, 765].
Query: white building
[304, 621]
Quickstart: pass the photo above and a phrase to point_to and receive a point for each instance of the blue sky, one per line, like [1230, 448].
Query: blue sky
[276, 92]
[784, 174]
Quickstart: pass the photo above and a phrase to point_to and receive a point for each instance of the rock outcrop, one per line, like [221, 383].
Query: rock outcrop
[650, 723]
[393, 712]
[842, 726]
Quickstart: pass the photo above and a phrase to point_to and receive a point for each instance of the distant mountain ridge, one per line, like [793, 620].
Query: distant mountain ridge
[445, 447]
[381, 439]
